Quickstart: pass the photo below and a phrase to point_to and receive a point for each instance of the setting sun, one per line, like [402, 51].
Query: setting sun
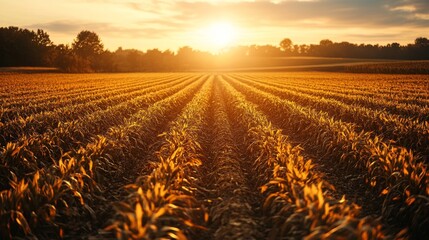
[221, 34]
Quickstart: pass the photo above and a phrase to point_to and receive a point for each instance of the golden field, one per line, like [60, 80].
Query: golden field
[278, 155]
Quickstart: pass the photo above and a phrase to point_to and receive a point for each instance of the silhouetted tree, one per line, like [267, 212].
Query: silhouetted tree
[286, 45]
[264, 51]
[303, 49]
[155, 60]
[295, 50]
[45, 48]
[185, 57]
[325, 42]
[107, 63]
[168, 61]
[22, 47]
[88, 46]
[128, 60]
[68, 61]
[421, 42]
[395, 45]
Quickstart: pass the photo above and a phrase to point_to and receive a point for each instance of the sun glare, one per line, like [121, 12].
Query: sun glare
[221, 34]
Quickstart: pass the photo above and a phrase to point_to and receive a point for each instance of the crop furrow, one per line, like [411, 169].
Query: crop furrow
[30, 110]
[394, 173]
[83, 173]
[295, 203]
[370, 85]
[162, 204]
[232, 213]
[405, 132]
[412, 111]
[50, 120]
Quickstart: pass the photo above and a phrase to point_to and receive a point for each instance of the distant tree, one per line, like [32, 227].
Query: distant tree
[303, 49]
[16, 47]
[185, 56]
[270, 51]
[107, 62]
[420, 49]
[421, 42]
[134, 60]
[87, 44]
[22, 47]
[45, 48]
[286, 45]
[67, 60]
[296, 49]
[185, 52]
[390, 51]
[89, 48]
[62, 53]
[42, 38]
[326, 42]
[168, 60]
[154, 59]
[395, 45]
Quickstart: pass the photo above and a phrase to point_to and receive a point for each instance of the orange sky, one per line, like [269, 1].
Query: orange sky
[172, 24]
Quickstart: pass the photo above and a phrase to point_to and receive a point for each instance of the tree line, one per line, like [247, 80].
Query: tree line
[23, 47]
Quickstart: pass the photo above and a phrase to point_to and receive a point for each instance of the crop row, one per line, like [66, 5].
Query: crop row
[392, 171]
[418, 112]
[35, 86]
[294, 193]
[50, 92]
[395, 127]
[368, 84]
[64, 194]
[231, 213]
[40, 123]
[162, 204]
[19, 111]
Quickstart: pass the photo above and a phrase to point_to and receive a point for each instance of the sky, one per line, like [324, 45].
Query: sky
[213, 25]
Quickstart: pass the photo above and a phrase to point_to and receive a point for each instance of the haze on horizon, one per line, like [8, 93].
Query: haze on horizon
[165, 25]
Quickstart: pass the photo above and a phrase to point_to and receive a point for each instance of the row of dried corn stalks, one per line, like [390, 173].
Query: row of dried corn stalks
[87, 112]
[51, 193]
[398, 95]
[231, 212]
[162, 205]
[295, 203]
[393, 172]
[404, 130]
[39, 96]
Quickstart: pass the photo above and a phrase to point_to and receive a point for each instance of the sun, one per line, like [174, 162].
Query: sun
[221, 34]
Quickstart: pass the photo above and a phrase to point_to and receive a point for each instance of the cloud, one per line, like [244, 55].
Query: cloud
[420, 5]
[163, 23]
[405, 8]
[340, 13]
[423, 16]
[377, 36]
[160, 17]
[104, 28]
[58, 26]
[280, 13]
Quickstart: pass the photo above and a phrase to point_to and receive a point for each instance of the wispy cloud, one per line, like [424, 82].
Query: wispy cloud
[74, 27]
[365, 13]
[423, 16]
[150, 23]
[405, 8]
